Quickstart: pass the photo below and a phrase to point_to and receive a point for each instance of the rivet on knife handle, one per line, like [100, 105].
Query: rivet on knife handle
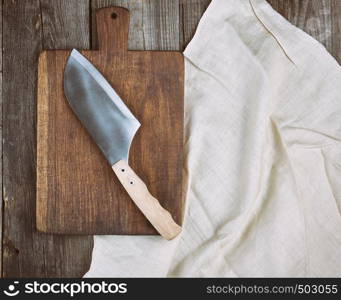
[160, 218]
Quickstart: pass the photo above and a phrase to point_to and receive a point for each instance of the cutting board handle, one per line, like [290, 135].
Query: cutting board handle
[112, 29]
[160, 218]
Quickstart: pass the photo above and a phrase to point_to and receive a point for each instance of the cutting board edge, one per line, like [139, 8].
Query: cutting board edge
[42, 140]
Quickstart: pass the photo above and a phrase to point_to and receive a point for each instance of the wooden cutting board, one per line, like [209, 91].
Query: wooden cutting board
[77, 191]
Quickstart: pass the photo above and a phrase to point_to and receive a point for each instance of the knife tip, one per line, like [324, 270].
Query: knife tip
[74, 51]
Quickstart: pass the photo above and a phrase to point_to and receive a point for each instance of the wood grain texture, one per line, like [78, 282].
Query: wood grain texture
[28, 253]
[1, 197]
[21, 245]
[65, 24]
[81, 194]
[319, 18]
[335, 48]
[154, 25]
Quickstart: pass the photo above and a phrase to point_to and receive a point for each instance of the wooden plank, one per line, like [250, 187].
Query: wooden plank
[22, 43]
[1, 197]
[154, 25]
[336, 30]
[190, 12]
[319, 18]
[65, 24]
[73, 174]
[27, 253]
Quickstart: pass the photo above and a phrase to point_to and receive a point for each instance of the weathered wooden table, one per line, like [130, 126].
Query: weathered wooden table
[28, 26]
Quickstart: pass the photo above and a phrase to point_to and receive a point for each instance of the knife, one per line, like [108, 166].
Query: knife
[112, 126]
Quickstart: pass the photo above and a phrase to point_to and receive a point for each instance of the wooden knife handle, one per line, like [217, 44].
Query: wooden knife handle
[160, 218]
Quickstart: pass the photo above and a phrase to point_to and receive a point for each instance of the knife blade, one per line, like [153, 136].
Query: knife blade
[112, 126]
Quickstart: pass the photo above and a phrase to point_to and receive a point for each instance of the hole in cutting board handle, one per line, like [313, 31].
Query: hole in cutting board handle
[114, 15]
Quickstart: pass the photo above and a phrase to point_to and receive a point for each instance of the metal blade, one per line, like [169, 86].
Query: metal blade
[108, 120]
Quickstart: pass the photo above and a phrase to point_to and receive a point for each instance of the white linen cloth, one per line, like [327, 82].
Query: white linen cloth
[263, 157]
